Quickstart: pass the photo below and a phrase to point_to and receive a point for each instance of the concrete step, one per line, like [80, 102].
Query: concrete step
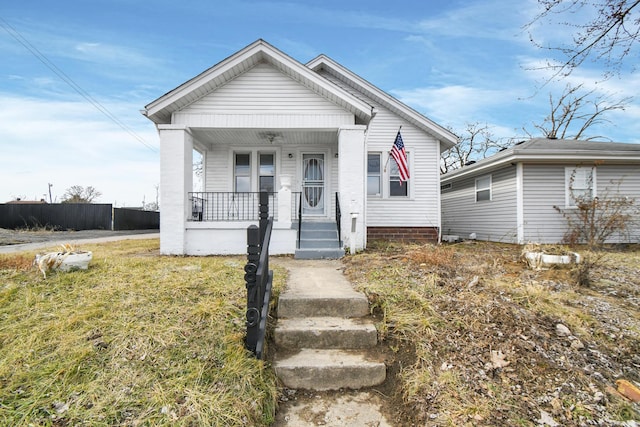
[322, 306]
[314, 369]
[318, 225]
[319, 253]
[317, 243]
[325, 332]
[319, 234]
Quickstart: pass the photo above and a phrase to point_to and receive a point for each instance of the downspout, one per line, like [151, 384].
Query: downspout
[520, 203]
[366, 199]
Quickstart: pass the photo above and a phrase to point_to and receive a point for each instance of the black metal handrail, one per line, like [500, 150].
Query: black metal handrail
[296, 199]
[226, 206]
[259, 279]
[338, 216]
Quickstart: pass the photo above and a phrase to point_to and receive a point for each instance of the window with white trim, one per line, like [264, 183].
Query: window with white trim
[374, 175]
[242, 173]
[397, 188]
[579, 185]
[267, 172]
[483, 188]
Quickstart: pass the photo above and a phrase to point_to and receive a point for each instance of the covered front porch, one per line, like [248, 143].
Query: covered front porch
[311, 176]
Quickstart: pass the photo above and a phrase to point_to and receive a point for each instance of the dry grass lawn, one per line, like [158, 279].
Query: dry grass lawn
[137, 339]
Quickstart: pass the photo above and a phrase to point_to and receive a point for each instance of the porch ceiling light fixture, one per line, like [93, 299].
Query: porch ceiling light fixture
[270, 136]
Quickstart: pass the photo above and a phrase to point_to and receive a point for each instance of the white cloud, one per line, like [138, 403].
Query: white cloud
[68, 143]
[455, 105]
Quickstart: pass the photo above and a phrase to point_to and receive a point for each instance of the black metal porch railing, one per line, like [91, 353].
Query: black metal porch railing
[221, 206]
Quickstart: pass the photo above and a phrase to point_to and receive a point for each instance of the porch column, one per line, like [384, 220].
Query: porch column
[176, 180]
[352, 157]
[284, 201]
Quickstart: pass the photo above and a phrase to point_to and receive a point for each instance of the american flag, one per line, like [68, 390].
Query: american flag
[400, 156]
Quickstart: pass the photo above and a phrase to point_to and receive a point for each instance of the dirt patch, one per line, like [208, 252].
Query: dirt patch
[496, 343]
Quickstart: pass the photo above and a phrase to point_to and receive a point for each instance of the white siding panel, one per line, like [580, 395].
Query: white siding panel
[263, 89]
[421, 208]
[262, 120]
[493, 220]
[543, 189]
[621, 181]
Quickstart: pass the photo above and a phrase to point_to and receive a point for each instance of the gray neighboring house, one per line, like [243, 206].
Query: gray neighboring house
[510, 196]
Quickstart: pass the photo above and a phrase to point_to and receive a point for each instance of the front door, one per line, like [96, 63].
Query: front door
[313, 194]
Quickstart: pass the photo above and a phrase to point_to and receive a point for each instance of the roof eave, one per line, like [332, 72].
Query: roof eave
[554, 156]
[159, 110]
[447, 138]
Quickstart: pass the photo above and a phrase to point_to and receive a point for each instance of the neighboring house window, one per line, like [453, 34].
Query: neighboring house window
[397, 188]
[483, 188]
[579, 185]
[242, 172]
[374, 175]
[267, 172]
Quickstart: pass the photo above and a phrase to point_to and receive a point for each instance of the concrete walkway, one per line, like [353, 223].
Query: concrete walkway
[320, 281]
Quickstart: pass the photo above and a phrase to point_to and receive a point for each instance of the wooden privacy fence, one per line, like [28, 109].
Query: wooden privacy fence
[259, 279]
[76, 216]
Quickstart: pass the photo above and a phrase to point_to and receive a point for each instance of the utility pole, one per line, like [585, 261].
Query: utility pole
[50, 199]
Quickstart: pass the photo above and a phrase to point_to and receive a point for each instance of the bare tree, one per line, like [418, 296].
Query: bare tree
[608, 33]
[80, 194]
[476, 142]
[575, 113]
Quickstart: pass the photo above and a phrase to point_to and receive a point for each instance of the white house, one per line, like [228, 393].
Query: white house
[315, 136]
[519, 195]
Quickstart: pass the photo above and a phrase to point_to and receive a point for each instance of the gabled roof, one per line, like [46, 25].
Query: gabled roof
[160, 110]
[324, 63]
[543, 150]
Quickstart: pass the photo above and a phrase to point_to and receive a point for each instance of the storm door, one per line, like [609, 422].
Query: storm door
[313, 181]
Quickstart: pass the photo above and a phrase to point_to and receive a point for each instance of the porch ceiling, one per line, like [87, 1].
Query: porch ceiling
[209, 137]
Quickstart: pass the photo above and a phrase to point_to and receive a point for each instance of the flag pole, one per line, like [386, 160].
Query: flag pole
[389, 152]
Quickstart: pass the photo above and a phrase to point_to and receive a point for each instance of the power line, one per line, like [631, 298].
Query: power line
[69, 81]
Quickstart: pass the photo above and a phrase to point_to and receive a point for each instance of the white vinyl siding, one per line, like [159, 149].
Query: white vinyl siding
[263, 96]
[421, 207]
[496, 221]
[543, 188]
[621, 181]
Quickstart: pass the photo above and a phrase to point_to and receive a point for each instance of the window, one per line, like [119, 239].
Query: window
[267, 172]
[579, 185]
[374, 175]
[483, 188]
[242, 172]
[397, 188]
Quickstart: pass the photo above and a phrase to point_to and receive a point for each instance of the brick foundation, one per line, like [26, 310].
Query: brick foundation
[404, 234]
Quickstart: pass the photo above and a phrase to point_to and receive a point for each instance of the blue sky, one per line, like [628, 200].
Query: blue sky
[456, 62]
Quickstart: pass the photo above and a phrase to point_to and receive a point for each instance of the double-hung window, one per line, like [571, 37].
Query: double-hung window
[579, 185]
[374, 175]
[483, 188]
[248, 178]
[397, 188]
[384, 181]
[267, 172]
[242, 173]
